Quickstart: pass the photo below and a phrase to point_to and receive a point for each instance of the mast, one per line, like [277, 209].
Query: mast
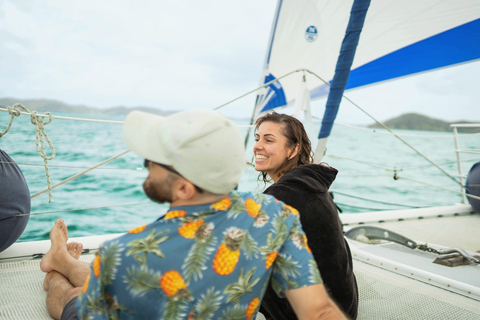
[264, 75]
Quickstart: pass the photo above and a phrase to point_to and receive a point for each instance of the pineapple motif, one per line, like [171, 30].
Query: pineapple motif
[244, 285]
[228, 252]
[175, 288]
[175, 214]
[206, 306]
[261, 219]
[315, 276]
[224, 204]
[237, 206]
[137, 229]
[300, 241]
[140, 248]
[270, 259]
[252, 207]
[275, 239]
[110, 260]
[172, 284]
[195, 262]
[252, 307]
[270, 251]
[85, 286]
[288, 210]
[96, 265]
[189, 228]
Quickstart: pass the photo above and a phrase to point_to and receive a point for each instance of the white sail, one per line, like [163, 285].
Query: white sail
[399, 38]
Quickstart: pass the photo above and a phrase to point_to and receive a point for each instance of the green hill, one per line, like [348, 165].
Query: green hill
[415, 121]
[55, 105]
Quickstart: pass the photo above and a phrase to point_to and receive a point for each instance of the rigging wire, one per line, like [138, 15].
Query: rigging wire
[80, 174]
[376, 130]
[66, 118]
[376, 201]
[359, 207]
[68, 167]
[378, 166]
[72, 210]
[388, 129]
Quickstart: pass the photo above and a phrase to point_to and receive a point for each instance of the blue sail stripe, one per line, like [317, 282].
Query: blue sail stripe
[344, 63]
[453, 46]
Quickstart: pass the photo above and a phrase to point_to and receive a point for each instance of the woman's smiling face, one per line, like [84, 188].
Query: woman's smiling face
[270, 149]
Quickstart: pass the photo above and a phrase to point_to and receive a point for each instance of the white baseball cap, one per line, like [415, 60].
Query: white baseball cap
[202, 145]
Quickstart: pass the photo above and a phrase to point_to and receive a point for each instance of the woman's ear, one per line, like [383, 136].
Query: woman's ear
[294, 151]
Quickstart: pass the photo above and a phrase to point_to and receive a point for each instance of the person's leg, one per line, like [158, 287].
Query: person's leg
[75, 250]
[60, 292]
[59, 259]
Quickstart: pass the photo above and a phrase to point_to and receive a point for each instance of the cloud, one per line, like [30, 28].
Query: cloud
[180, 54]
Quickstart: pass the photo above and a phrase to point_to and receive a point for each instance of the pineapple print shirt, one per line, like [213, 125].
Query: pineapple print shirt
[201, 262]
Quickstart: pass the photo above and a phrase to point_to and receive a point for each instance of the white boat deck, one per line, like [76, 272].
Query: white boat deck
[383, 294]
[451, 226]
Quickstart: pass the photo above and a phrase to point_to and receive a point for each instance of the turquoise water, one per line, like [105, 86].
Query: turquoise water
[111, 199]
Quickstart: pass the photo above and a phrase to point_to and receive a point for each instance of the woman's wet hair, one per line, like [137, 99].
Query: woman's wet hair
[295, 133]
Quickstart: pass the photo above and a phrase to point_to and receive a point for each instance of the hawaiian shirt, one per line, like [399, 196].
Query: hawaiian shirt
[201, 262]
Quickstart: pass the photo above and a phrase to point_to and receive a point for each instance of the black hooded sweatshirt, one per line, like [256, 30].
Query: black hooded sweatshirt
[306, 189]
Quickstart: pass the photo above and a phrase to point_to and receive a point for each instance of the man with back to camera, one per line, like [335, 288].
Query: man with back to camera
[209, 257]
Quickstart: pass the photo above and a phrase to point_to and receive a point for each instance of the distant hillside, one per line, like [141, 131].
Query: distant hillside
[55, 105]
[415, 121]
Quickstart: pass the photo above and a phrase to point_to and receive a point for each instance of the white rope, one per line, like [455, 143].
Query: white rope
[40, 135]
[79, 174]
[14, 112]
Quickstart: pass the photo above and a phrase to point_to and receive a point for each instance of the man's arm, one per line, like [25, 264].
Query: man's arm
[312, 302]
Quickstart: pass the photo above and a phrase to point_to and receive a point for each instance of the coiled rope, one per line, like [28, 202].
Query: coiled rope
[40, 135]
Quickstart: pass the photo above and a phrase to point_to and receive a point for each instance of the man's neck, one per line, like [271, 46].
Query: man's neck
[199, 199]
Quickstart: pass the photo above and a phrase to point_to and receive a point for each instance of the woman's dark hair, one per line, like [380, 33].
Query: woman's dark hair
[295, 133]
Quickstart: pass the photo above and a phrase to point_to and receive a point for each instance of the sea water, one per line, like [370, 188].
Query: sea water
[110, 199]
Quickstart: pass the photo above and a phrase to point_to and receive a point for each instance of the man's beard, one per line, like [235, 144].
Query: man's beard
[160, 192]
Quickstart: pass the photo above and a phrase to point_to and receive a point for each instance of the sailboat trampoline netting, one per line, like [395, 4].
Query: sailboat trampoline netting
[383, 295]
[387, 295]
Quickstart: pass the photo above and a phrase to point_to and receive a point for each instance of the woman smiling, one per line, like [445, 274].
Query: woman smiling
[283, 154]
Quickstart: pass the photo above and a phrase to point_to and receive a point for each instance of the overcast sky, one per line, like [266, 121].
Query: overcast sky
[182, 55]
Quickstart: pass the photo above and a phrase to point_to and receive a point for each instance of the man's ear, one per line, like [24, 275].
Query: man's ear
[294, 151]
[184, 189]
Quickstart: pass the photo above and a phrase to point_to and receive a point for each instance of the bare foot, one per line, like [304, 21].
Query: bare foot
[75, 249]
[58, 238]
[46, 281]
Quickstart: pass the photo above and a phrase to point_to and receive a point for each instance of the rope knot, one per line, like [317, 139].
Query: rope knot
[14, 112]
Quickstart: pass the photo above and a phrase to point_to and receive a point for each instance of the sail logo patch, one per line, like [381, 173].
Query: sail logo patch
[311, 34]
